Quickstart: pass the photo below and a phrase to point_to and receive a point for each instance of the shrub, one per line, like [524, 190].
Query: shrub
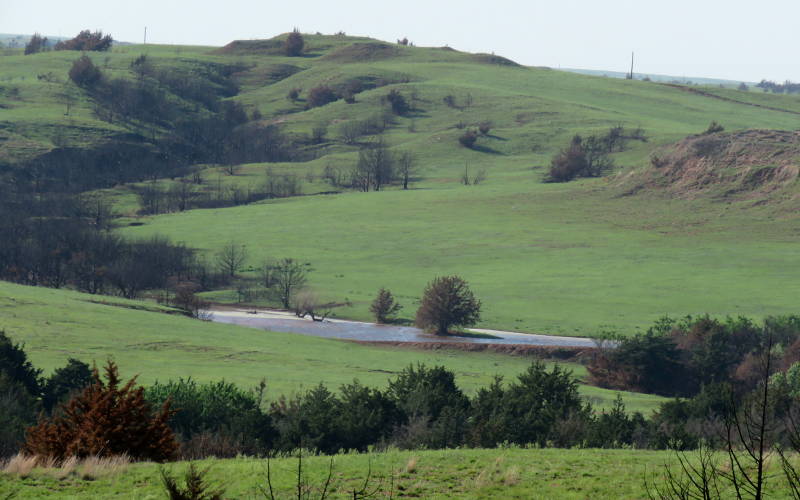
[485, 127]
[713, 128]
[73, 377]
[384, 306]
[293, 94]
[468, 139]
[84, 73]
[197, 488]
[434, 408]
[529, 411]
[14, 363]
[18, 410]
[447, 301]
[320, 96]
[398, 103]
[106, 419]
[366, 416]
[294, 44]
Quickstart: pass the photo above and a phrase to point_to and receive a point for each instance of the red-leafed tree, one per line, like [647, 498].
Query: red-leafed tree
[106, 419]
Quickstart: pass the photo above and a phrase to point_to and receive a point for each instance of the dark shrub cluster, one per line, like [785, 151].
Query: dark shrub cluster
[87, 41]
[588, 157]
[468, 139]
[320, 96]
[24, 393]
[679, 357]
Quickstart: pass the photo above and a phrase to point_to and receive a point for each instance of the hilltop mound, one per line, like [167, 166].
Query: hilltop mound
[363, 51]
[493, 59]
[272, 46]
[750, 164]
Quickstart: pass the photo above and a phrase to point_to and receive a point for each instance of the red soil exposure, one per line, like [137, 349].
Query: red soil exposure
[751, 164]
[545, 352]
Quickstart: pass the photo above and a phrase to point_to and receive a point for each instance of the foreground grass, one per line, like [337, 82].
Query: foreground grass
[57, 324]
[465, 473]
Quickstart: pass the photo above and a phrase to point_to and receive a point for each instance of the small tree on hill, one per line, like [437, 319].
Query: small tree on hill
[106, 419]
[294, 44]
[384, 306]
[446, 302]
[36, 44]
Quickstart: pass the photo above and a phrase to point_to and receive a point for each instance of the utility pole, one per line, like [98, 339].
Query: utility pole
[145, 35]
[629, 76]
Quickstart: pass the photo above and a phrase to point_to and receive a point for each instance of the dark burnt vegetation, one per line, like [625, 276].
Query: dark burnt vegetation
[589, 156]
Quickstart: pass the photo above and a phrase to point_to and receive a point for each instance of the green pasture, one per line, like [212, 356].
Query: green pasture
[156, 344]
[543, 258]
[462, 473]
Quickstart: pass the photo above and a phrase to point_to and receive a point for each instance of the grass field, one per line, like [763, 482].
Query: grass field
[57, 324]
[463, 473]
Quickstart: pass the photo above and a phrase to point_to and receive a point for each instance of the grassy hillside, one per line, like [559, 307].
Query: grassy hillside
[565, 259]
[144, 339]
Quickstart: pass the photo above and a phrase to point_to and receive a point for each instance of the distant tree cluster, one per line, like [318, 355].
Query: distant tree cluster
[786, 87]
[378, 167]
[87, 41]
[588, 157]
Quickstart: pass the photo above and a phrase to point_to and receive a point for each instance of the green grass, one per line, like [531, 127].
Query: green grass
[143, 340]
[463, 473]
[543, 258]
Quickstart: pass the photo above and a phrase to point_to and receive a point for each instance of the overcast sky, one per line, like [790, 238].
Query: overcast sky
[729, 39]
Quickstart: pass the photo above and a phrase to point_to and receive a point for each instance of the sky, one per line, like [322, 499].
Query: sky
[730, 39]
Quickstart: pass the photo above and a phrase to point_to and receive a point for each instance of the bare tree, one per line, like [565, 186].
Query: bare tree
[406, 167]
[749, 433]
[375, 167]
[231, 257]
[289, 276]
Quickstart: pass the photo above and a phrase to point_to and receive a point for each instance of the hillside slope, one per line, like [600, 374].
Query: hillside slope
[760, 166]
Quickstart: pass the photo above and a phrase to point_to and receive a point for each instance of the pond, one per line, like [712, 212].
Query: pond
[279, 321]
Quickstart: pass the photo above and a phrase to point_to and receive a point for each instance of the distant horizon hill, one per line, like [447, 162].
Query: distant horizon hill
[19, 41]
[660, 78]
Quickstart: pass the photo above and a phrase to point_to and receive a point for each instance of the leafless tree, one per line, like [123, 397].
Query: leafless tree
[289, 276]
[406, 167]
[231, 257]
